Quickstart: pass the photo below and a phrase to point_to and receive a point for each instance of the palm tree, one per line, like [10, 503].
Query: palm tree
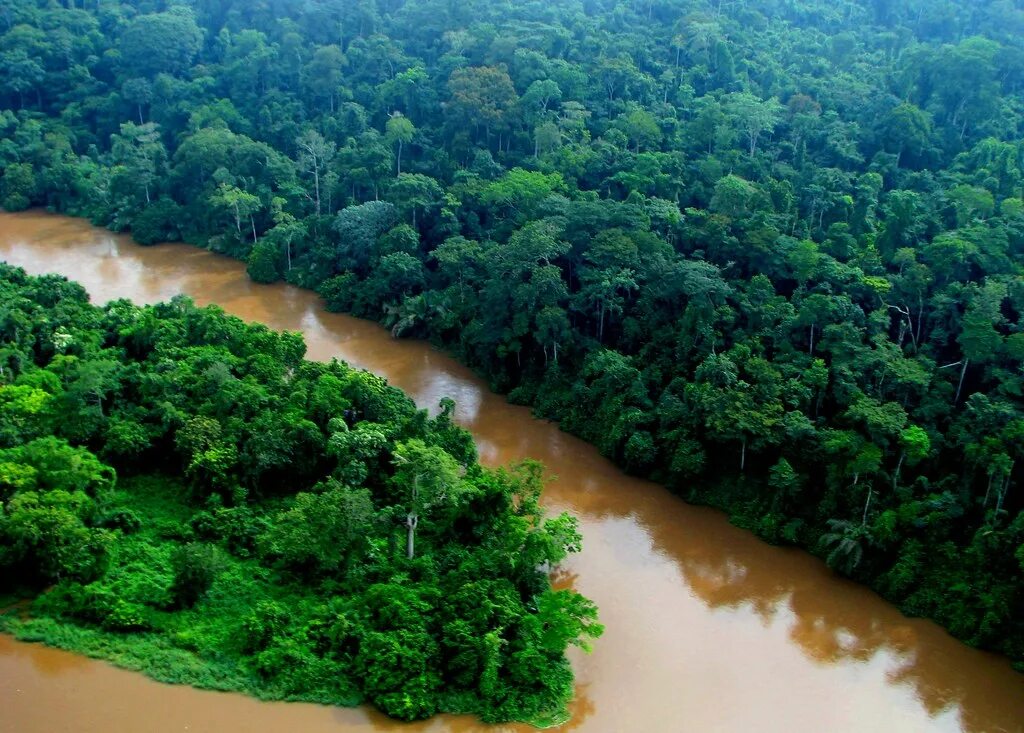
[847, 540]
[414, 311]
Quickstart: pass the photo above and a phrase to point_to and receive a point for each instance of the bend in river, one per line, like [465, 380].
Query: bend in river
[708, 628]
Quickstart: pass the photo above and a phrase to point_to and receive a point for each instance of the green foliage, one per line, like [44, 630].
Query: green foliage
[522, 191]
[320, 532]
[46, 536]
[47, 522]
[195, 567]
[18, 187]
[775, 246]
[160, 42]
[27, 412]
[274, 563]
[263, 263]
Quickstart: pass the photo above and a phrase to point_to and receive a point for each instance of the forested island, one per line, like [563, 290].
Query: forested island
[203, 504]
[766, 253]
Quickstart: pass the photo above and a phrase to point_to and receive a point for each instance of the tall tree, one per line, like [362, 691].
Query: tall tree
[400, 131]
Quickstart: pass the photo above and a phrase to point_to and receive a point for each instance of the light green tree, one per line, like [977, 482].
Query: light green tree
[400, 131]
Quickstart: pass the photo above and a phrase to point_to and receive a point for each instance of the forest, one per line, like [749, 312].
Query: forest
[197, 501]
[767, 253]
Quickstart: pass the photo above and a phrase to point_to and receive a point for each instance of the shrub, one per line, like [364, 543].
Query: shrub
[123, 519]
[236, 527]
[195, 567]
[157, 222]
[339, 292]
[263, 266]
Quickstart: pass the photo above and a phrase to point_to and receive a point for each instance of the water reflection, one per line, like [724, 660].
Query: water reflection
[836, 622]
[49, 663]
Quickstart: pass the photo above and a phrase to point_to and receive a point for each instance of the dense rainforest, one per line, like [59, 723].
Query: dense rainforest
[767, 252]
[198, 501]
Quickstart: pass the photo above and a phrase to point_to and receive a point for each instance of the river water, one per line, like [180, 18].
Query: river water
[708, 628]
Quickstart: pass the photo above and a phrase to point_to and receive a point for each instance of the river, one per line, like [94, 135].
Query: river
[708, 628]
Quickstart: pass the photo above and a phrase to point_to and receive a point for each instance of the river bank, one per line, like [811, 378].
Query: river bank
[707, 626]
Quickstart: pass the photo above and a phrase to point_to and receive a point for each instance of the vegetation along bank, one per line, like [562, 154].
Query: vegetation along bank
[765, 253]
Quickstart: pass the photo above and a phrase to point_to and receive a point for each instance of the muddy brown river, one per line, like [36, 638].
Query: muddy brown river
[708, 628]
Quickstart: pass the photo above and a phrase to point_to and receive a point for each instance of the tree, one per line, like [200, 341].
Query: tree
[321, 532]
[358, 228]
[847, 540]
[971, 203]
[315, 156]
[414, 192]
[18, 186]
[566, 618]
[734, 413]
[399, 131]
[732, 196]
[47, 534]
[753, 116]
[430, 482]
[397, 276]
[139, 91]
[322, 76]
[965, 80]
[22, 73]
[241, 204]
[979, 340]
[539, 96]
[914, 445]
[286, 231]
[25, 411]
[552, 329]
[907, 130]
[160, 43]
[55, 464]
[522, 191]
[606, 289]
[640, 127]
[141, 151]
[482, 95]
[210, 459]
[262, 264]
[547, 136]
[397, 657]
